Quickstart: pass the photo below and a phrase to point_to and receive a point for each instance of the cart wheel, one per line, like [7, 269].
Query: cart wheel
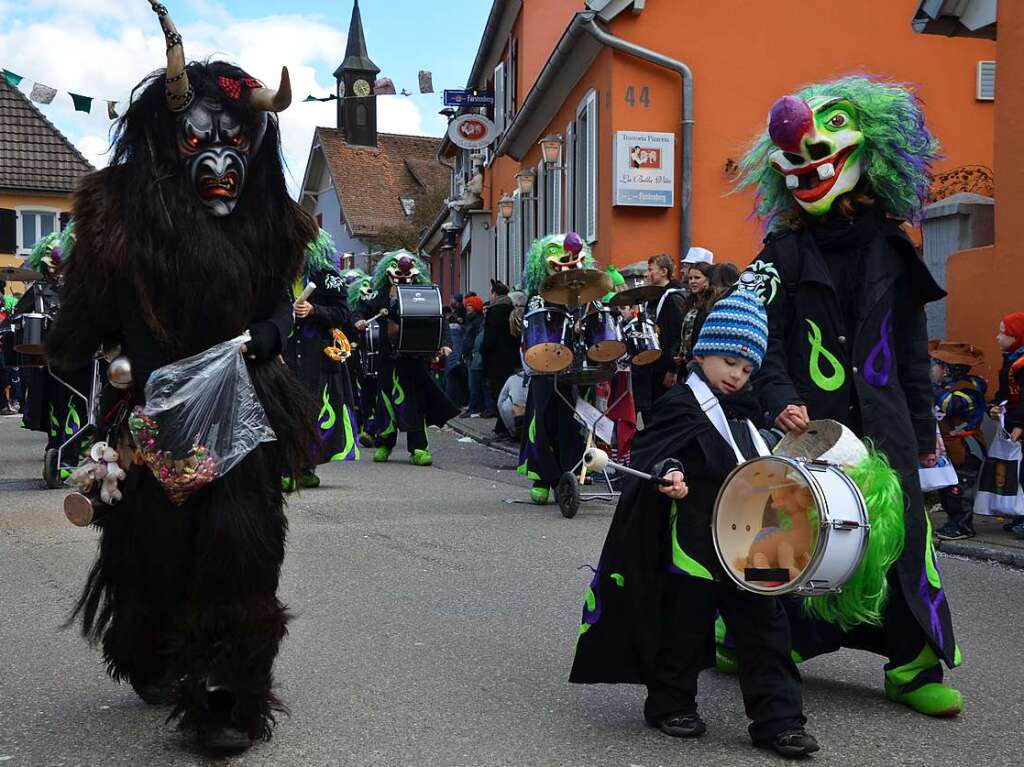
[51, 471]
[567, 493]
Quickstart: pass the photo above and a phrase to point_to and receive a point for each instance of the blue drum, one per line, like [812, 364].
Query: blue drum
[547, 340]
[603, 336]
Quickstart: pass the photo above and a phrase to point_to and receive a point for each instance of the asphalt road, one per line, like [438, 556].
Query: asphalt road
[435, 624]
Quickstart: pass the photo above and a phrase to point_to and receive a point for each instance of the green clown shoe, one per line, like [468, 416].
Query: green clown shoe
[309, 479]
[288, 484]
[931, 699]
[539, 494]
[381, 454]
[421, 458]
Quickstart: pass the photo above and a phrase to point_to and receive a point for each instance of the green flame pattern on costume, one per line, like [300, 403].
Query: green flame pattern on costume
[326, 410]
[824, 382]
[863, 597]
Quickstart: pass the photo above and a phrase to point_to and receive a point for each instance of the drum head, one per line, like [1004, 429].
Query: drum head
[606, 351]
[548, 357]
[646, 358]
[766, 525]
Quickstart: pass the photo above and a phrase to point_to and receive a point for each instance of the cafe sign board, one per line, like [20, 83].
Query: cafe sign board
[644, 169]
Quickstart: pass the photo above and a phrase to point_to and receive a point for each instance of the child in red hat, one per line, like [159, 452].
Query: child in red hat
[1008, 401]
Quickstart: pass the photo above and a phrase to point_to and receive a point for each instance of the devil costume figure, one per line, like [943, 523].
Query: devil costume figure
[361, 366]
[841, 166]
[408, 398]
[551, 444]
[189, 238]
[317, 352]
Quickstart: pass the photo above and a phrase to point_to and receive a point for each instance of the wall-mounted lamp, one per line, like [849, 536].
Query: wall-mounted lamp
[551, 148]
[506, 205]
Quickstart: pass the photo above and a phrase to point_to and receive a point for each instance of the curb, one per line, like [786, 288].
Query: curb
[983, 552]
[495, 444]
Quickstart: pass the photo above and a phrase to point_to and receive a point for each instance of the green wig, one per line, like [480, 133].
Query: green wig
[355, 288]
[322, 254]
[52, 250]
[863, 597]
[536, 269]
[380, 279]
[897, 154]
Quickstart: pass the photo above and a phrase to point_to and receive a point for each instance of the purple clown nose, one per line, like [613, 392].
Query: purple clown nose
[405, 263]
[788, 121]
[573, 243]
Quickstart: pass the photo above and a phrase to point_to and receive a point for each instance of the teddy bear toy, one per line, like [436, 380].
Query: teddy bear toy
[101, 467]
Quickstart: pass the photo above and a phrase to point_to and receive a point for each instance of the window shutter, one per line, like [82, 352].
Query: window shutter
[570, 161]
[513, 79]
[515, 236]
[65, 219]
[499, 97]
[8, 231]
[541, 192]
[555, 219]
[985, 88]
[501, 246]
[591, 161]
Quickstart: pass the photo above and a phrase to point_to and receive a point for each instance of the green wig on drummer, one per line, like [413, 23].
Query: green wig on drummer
[554, 253]
[52, 250]
[322, 254]
[863, 597]
[399, 267]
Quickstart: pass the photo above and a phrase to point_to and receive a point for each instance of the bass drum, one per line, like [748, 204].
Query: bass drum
[418, 327]
[784, 525]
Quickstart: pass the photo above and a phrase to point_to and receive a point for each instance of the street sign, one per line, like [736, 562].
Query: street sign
[471, 131]
[464, 98]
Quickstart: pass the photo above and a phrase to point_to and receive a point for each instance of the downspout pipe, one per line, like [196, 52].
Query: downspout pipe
[686, 181]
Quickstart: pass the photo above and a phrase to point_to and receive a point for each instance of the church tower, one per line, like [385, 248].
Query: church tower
[357, 104]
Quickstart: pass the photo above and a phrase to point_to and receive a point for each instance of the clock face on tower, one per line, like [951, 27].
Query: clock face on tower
[361, 88]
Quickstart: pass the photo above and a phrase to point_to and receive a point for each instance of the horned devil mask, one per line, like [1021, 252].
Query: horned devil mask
[217, 137]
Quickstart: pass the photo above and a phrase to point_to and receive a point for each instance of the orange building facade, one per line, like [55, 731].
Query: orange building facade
[552, 79]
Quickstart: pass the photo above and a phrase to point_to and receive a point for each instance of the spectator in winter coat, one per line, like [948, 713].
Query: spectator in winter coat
[500, 348]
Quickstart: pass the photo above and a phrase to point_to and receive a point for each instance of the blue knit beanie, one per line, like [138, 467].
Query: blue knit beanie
[737, 326]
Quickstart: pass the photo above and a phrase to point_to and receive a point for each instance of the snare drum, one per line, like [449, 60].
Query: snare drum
[30, 328]
[642, 341]
[547, 340]
[785, 525]
[370, 348]
[603, 336]
[420, 322]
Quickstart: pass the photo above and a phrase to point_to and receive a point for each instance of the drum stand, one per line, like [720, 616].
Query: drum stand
[568, 492]
[52, 458]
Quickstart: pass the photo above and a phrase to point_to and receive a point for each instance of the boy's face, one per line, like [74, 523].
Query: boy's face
[1006, 343]
[938, 371]
[727, 374]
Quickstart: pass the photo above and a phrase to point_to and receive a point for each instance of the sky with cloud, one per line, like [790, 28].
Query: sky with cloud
[102, 48]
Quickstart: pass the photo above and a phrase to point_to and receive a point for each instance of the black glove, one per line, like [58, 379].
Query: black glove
[265, 344]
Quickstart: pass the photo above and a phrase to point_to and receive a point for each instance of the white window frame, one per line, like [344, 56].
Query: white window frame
[570, 151]
[22, 249]
[585, 167]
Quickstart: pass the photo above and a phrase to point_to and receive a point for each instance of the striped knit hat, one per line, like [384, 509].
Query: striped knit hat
[737, 326]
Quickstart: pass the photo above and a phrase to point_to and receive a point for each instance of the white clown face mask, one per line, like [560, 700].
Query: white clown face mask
[820, 149]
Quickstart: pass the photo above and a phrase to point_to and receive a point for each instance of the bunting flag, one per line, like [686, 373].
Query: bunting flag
[11, 78]
[311, 97]
[42, 94]
[112, 110]
[426, 82]
[82, 103]
[384, 87]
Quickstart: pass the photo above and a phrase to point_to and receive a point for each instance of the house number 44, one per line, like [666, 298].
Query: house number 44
[645, 96]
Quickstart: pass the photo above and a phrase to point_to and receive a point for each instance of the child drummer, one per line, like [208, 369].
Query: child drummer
[650, 608]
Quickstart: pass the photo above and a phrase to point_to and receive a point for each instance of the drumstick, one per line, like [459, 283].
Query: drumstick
[596, 459]
[306, 292]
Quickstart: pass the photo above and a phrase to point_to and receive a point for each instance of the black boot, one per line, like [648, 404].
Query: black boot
[682, 725]
[791, 744]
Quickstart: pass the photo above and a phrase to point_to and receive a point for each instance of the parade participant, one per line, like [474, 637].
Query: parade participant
[651, 381]
[500, 349]
[840, 167]
[960, 406]
[317, 351]
[189, 238]
[649, 611]
[50, 406]
[1008, 403]
[358, 290]
[696, 306]
[551, 443]
[408, 398]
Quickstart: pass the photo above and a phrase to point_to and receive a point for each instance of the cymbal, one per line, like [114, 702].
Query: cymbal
[17, 274]
[636, 296]
[575, 286]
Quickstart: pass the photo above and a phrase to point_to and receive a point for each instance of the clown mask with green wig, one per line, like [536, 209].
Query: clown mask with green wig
[819, 149]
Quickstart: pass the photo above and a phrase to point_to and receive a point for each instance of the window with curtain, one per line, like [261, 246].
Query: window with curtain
[34, 226]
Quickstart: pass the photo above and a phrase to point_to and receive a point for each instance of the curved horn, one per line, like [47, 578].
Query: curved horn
[179, 92]
[269, 100]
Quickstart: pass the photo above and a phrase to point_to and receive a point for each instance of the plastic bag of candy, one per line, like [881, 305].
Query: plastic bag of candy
[201, 418]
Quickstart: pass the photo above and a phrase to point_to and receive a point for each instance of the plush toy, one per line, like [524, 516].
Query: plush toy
[787, 544]
[101, 466]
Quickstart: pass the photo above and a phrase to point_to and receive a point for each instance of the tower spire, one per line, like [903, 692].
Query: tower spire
[356, 56]
[357, 103]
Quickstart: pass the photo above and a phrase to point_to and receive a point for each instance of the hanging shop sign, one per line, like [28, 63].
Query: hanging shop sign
[644, 169]
[471, 131]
